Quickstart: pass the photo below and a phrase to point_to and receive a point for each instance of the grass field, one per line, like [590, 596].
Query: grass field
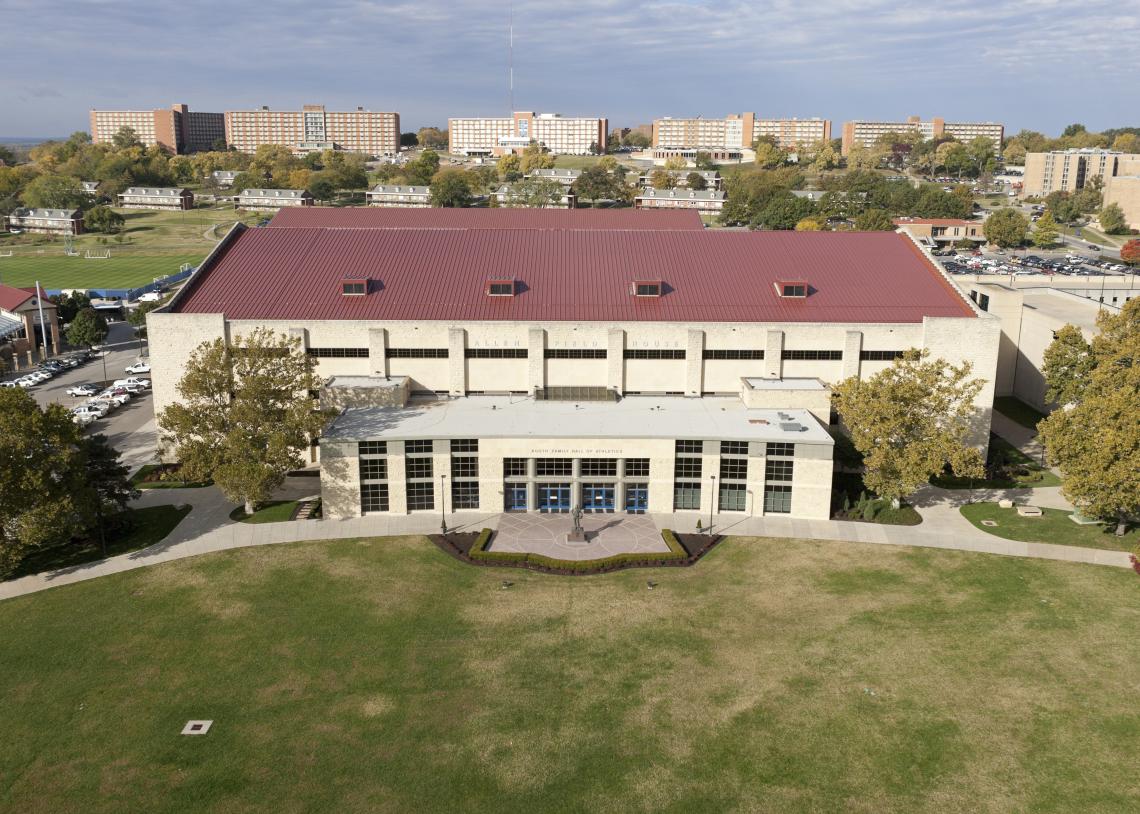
[155, 243]
[55, 270]
[1054, 526]
[275, 511]
[384, 676]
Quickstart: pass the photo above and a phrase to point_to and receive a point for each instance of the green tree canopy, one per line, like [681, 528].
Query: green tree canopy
[450, 188]
[41, 475]
[874, 220]
[1095, 438]
[535, 157]
[56, 192]
[245, 414]
[662, 179]
[103, 219]
[1006, 227]
[911, 421]
[695, 180]
[536, 193]
[88, 329]
[1045, 231]
[1112, 220]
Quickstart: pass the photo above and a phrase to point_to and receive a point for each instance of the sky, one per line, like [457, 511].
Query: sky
[1037, 64]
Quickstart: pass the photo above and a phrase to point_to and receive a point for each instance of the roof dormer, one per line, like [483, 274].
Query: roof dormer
[792, 289]
[500, 288]
[354, 286]
[647, 288]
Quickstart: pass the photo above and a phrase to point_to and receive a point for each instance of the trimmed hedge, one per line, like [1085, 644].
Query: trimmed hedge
[479, 555]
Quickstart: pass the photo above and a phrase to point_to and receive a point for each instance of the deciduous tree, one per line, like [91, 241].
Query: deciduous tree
[1045, 231]
[1095, 438]
[103, 219]
[1006, 227]
[245, 414]
[695, 180]
[87, 329]
[662, 179]
[451, 188]
[56, 192]
[911, 421]
[1068, 362]
[1112, 220]
[1130, 252]
[536, 193]
[535, 157]
[874, 220]
[675, 163]
[40, 475]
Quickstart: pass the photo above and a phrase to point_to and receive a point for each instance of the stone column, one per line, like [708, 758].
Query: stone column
[615, 360]
[852, 348]
[457, 361]
[536, 359]
[378, 352]
[774, 355]
[397, 482]
[531, 485]
[695, 363]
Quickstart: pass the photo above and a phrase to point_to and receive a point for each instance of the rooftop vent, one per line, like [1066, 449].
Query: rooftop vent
[793, 289]
[500, 288]
[647, 288]
[354, 286]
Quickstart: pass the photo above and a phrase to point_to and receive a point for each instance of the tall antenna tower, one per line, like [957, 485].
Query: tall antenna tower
[511, 59]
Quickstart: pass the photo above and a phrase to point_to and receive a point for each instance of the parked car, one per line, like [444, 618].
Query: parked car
[82, 390]
[27, 381]
[138, 367]
[8, 384]
[39, 376]
[1092, 247]
[118, 399]
[92, 409]
[131, 380]
[150, 296]
[83, 419]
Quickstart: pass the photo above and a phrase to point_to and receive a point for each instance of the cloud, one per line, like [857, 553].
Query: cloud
[1010, 60]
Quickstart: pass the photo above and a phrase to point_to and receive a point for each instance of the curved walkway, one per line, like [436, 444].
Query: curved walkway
[208, 529]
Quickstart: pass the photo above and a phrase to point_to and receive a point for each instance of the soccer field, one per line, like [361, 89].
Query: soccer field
[59, 271]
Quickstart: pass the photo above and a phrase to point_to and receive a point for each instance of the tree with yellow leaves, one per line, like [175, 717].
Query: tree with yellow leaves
[1095, 438]
[910, 422]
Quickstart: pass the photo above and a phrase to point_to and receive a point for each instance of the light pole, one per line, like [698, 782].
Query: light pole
[712, 501]
[442, 508]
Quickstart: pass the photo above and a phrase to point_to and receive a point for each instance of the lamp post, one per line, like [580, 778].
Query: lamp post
[442, 506]
[712, 502]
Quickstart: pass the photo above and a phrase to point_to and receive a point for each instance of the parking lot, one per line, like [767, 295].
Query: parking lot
[1035, 263]
[130, 427]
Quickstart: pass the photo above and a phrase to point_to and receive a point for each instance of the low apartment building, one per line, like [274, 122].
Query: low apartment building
[561, 135]
[866, 133]
[47, 221]
[943, 230]
[1124, 191]
[314, 129]
[156, 198]
[680, 178]
[1071, 170]
[395, 195]
[737, 131]
[90, 187]
[661, 155]
[223, 179]
[177, 129]
[564, 177]
[507, 196]
[265, 200]
[703, 200]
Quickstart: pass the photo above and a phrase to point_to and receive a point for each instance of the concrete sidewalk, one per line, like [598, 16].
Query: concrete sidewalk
[208, 529]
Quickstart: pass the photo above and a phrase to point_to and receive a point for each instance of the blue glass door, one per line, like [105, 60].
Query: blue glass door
[516, 497]
[553, 497]
[636, 498]
[597, 497]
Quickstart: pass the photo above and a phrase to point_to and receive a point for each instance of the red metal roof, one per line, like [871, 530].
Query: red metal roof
[12, 298]
[383, 217]
[568, 275]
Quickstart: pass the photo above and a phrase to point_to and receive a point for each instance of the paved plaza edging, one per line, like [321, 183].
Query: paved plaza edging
[208, 529]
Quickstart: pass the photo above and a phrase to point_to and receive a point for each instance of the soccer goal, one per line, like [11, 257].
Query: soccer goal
[103, 255]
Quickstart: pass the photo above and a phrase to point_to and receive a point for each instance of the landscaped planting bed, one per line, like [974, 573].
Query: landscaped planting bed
[471, 547]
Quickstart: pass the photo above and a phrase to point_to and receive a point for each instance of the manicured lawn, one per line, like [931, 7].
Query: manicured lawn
[138, 480]
[147, 526]
[1053, 527]
[1017, 410]
[383, 675]
[54, 269]
[272, 512]
[576, 162]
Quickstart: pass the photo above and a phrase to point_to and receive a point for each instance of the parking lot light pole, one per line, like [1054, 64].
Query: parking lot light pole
[712, 502]
[442, 505]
